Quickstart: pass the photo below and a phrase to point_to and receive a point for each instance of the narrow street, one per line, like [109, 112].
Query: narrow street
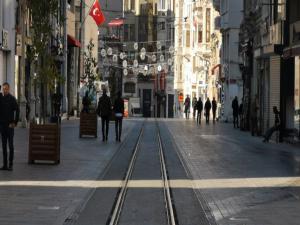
[217, 175]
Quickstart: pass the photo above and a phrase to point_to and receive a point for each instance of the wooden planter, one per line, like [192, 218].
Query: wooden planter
[44, 143]
[88, 124]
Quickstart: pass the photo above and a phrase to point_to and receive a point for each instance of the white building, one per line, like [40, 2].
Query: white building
[194, 58]
[231, 17]
[7, 42]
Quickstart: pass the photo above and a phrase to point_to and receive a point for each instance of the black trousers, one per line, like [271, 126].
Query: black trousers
[105, 126]
[207, 115]
[214, 115]
[235, 121]
[7, 135]
[118, 127]
[199, 114]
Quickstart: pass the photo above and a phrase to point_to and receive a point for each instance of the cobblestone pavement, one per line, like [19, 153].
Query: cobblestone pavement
[242, 180]
[47, 194]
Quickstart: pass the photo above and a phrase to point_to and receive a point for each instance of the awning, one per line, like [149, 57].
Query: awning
[73, 42]
[291, 52]
[135, 105]
[116, 22]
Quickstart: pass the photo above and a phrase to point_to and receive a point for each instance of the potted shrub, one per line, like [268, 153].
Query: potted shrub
[88, 116]
[44, 137]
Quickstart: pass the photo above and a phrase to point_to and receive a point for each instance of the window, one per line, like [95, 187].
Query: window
[132, 5]
[208, 25]
[163, 4]
[161, 26]
[187, 39]
[129, 87]
[200, 34]
[126, 32]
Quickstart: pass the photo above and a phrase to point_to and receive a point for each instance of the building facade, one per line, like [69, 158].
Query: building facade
[7, 43]
[230, 19]
[197, 44]
[140, 61]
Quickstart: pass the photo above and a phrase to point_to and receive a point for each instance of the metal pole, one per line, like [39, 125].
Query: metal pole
[79, 55]
[65, 65]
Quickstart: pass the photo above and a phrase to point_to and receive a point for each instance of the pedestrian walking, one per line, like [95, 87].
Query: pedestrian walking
[86, 103]
[119, 113]
[235, 111]
[214, 109]
[276, 126]
[194, 103]
[104, 111]
[199, 107]
[9, 117]
[254, 118]
[187, 106]
[207, 108]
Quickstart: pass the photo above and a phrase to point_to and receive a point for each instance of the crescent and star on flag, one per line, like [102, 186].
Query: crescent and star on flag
[96, 13]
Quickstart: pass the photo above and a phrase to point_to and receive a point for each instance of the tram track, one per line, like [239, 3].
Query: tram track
[144, 167]
[121, 198]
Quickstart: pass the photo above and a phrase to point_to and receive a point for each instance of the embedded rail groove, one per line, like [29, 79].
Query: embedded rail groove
[120, 199]
[167, 190]
[122, 193]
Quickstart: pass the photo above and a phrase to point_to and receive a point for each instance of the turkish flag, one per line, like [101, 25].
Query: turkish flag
[96, 13]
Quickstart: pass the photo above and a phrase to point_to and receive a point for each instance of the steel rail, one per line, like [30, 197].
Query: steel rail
[122, 194]
[167, 190]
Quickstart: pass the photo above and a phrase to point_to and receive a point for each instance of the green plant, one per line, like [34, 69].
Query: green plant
[90, 68]
[45, 22]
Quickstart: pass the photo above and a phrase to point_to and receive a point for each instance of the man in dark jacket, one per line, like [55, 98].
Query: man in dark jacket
[207, 107]
[214, 109]
[199, 107]
[119, 112]
[104, 111]
[194, 103]
[235, 112]
[9, 117]
[187, 106]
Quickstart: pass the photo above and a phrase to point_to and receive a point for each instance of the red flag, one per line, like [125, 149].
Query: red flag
[96, 13]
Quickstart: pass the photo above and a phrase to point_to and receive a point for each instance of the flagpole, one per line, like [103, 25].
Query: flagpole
[79, 54]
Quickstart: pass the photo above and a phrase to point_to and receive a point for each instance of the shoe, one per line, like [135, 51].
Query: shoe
[4, 168]
[10, 168]
[106, 138]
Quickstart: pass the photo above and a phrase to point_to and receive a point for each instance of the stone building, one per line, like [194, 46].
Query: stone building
[230, 19]
[197, 44]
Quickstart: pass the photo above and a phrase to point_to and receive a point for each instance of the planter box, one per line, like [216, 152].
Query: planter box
[88, 124]
[44, 143]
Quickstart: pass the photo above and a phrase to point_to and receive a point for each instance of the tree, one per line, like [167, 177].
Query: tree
[90, 69]
[45, 37]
